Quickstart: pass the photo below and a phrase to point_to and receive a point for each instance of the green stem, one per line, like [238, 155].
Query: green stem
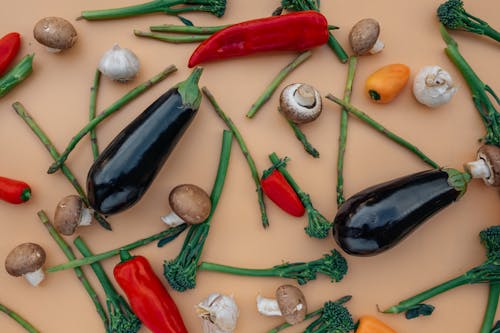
[20, 320]
[92, 112]
[108, 254]
[337, 48]
[186, 29]
[286, 325]
[253, 169]
[209, 266]
[21, 111]
[78, 271]
[271, 88]
[16, 75]
[492, 33]
[425, 295]
[399, 140]
[343, 130]
[128, 97]
[171, 38]
[308, 147]
[491, 308]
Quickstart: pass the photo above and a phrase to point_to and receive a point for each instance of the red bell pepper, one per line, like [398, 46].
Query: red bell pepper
[298, 31]
[14, 191]
[9, 47]
[277, 188]
[148, 298]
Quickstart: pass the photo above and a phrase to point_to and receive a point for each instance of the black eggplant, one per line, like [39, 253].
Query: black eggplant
[123, 172]
[380, 216]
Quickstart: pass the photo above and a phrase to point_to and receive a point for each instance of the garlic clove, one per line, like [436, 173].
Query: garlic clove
[433, 86]
[219, 313]
[119, 64]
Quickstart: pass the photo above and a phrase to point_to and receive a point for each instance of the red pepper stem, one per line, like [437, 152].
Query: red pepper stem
[26, 194]
[125, 255]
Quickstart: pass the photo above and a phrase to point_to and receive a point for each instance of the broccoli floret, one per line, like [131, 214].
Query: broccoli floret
[490, 238]
[334, 317]
[180, 277]
[454, 16]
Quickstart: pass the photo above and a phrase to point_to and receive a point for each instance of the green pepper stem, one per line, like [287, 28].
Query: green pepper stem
[491, 308]
[186, 29]
[343, 130]
[171, 38]
[308, 147]
[108, 254]
[78, 271]
[271, 88]
[370, 121]
[241, 142]
[20, 320]
[16, 75]
[92, 112]
[128, 97]
[21, 111]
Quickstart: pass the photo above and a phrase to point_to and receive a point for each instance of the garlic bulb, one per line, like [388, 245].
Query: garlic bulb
[433, 86]
[219, 313]
[119, 64]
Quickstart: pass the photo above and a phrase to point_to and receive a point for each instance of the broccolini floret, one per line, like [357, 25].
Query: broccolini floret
[454, 16]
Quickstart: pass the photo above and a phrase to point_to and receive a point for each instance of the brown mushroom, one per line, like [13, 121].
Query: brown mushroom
[70, 214]
[300, 103]
[487, 165]
[26, 260]
[55, 33]
[364, 37]
[290, 303]
[189, 204]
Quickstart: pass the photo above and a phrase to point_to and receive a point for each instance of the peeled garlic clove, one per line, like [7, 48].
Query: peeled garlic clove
[219, 313]
[433, 86]
[119, 64]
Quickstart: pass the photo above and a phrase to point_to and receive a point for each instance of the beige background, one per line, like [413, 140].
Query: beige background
[57, 96]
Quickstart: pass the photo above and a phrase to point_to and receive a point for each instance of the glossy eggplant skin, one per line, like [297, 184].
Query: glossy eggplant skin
[379, 217]
[126, 168]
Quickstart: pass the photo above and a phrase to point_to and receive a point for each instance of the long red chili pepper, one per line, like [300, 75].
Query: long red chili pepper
[147, 296]
[277, 188]
[298, 31]
[14, 191]
[9, 47]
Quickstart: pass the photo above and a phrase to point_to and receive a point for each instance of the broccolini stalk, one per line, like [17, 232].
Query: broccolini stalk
[171, 7]
[20, 320]
[479, 90]
[332, 265]
[487, 272]
[454, 16]
[489, 237]
[181, 271]
[318, 226]
[333, 317]
[121, 317]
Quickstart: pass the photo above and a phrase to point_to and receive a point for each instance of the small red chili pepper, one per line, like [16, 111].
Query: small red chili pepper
[298, 31]
[277, 188]
[9, 47]
[14, 191]
[147, 296]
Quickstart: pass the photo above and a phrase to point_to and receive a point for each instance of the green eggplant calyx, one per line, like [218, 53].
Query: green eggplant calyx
[189, 90]
[458, 180]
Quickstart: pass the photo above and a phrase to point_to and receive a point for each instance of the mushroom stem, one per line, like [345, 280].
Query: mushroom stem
[86, 217]
[52, 49]
[172, 220]
[34, 278]
[478, 169]
[305, 95]
[268, 306]
[379, 46]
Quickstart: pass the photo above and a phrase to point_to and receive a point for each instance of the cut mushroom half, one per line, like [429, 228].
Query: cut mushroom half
[300, 103]
[70, 214]
[27, 259]
[289, 303]
[189, 203]
[55, 33]
[487, 165]
[364, 37]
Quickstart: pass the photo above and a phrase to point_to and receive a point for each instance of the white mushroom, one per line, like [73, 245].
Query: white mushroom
[289, 303]
[70, 214]
[364, 37]
[433, 86]
[55, 33]
[27, 260]
[189, 204]
[119, 64]
[487, 165]
[300, 103]
[219, 313]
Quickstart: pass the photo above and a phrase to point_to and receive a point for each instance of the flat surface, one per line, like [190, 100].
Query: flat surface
[57, 96]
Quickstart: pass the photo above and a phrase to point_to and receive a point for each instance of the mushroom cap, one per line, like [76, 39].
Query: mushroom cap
[295, 110]
[68, 214]
[292, 303]
[364, 35]
[25, 258]
[491, 155]
[55, 32]
[190, 202]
